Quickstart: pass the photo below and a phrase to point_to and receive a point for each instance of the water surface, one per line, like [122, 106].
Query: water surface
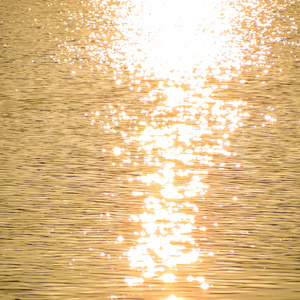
[149, 150]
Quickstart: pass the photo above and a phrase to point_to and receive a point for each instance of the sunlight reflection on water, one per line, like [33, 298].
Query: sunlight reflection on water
[183, 54]
[180, 45]
[180, 143]
[176, 42]
[139, 150]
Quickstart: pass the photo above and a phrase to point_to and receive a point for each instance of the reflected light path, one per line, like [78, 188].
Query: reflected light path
[180, 45]
[180, 144]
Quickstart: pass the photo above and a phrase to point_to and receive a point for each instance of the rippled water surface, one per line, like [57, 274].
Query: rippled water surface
[150, 149]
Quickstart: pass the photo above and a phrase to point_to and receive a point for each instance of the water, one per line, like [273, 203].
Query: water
[149, 160]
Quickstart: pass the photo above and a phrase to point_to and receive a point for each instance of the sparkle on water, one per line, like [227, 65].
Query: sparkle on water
[130, 155]
[181, 45]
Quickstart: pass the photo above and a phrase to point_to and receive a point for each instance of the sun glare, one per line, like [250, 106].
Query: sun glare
[182, 42]
[183, 128]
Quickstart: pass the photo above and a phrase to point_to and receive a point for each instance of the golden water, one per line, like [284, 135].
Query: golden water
[150, 150]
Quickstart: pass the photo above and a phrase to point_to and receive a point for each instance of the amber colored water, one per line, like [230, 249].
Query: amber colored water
[143, 159]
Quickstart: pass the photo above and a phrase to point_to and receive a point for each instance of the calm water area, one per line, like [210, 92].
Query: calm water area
[150, 149]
